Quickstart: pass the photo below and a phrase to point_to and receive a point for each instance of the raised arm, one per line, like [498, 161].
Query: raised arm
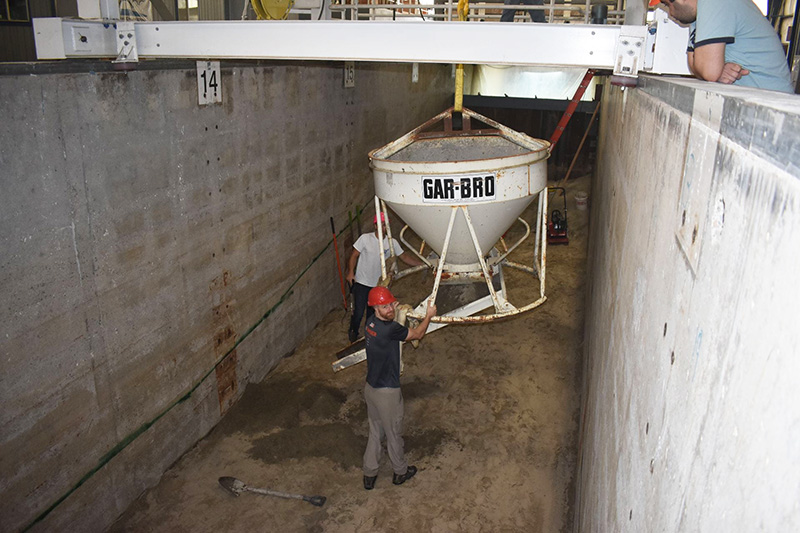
[410, 259]
[419, 331]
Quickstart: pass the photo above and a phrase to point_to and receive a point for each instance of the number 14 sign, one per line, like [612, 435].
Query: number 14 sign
[209, 90]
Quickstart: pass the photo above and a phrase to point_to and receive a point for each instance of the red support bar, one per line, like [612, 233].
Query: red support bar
[562, 124]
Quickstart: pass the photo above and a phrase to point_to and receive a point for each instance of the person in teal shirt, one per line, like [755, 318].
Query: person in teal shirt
[730, 41]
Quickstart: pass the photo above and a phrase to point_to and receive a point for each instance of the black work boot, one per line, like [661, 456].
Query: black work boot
[369, 482]
[399, 479]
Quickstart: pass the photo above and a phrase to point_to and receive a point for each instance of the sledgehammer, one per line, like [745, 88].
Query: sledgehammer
[236, 487]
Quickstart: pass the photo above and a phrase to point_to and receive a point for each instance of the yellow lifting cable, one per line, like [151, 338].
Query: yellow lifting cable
[458, 105]
[272, 9]
[463, 9]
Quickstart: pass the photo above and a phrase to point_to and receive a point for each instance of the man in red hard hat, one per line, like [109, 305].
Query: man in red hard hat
[382, 390]
[366, 254]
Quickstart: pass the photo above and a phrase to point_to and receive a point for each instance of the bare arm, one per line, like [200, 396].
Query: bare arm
[410, 259]
[707, 62]
[419, 331]
[351, 266]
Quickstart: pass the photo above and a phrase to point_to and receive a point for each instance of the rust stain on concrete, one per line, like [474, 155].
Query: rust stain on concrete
[227, 384]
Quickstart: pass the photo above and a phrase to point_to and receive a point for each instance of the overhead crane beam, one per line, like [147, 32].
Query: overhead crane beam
[622, 49]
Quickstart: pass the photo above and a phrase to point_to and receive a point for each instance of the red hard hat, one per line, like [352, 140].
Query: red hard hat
[380, 296]
[375, 218]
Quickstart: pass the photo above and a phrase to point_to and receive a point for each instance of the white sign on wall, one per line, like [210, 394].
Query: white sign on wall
[209, 86]
[349, 74]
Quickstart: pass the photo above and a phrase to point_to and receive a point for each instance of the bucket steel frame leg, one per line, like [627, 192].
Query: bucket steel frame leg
[380, 209]
[538, 232]
[380, 236]
[539, 259]
[541, 225]
[499, 306]
[385, 213]
[440, 266]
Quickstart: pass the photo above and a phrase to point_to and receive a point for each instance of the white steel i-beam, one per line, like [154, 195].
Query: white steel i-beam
[618, 48]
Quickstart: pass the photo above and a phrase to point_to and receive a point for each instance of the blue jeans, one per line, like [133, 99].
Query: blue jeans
[536, 16]
[360, 295]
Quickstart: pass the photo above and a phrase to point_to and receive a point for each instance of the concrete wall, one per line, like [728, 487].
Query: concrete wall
[144, 235]
[692, 395]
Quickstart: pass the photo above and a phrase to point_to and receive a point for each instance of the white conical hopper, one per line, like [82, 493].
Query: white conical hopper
[480, 180]
[496, 173]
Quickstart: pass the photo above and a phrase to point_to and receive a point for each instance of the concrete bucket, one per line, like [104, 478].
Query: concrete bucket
[460, 191]
[496, 173]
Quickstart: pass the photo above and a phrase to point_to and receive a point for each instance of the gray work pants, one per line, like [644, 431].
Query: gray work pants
[385, 414]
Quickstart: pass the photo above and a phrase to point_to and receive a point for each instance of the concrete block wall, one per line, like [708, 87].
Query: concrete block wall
[143, 237]
[691, 413]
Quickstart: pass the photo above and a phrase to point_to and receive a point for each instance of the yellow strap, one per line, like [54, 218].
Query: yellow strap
[458, 105]
[463, 9]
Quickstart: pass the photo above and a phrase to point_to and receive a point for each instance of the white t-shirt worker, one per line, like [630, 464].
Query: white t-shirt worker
[364, 271]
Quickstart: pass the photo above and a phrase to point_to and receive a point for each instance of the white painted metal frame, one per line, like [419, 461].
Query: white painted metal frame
[489, 43]
[126, 43]
[503, 308]
[421, 257]
[380, 238]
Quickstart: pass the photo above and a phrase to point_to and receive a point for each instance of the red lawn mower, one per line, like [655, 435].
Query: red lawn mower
[557, 225]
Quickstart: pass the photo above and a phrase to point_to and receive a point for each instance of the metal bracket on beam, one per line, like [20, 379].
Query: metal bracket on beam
[630, 51]
[126, 43]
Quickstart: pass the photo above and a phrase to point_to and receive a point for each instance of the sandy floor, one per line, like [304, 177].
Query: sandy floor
[491, 422]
